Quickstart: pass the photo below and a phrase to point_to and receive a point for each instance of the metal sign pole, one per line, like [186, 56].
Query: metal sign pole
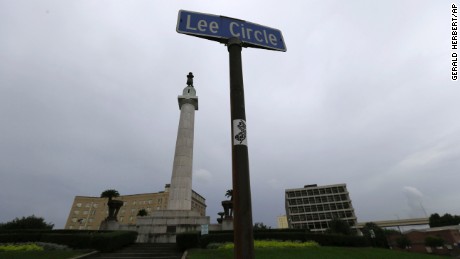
[242, 224]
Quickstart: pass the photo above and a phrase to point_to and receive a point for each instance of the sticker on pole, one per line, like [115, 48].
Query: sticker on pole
[239, 132]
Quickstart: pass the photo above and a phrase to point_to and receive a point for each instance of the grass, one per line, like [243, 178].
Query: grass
[39, 254]
[20, 247]
[311, 252]
[33, 250]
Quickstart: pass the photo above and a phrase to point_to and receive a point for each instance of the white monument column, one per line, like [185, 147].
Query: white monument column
[180, 191]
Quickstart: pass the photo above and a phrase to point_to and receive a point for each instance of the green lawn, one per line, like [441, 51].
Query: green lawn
[318, 252]
[40, 254]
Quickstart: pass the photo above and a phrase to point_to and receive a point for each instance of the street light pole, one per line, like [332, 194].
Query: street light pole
[243, 235]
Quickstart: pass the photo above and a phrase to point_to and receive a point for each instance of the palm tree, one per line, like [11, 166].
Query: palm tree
[110, 193]
[114, 205]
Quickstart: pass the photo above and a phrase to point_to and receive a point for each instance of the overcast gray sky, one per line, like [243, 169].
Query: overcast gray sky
[363, 96]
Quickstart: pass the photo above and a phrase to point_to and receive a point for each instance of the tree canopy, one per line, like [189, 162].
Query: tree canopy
[30, 222]
[375, 234]
[446, 220]
[338, 226]
[142, 213]
[260, 225]
[110, 193]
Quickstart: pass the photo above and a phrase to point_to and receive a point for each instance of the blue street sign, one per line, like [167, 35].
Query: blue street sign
[221, 28]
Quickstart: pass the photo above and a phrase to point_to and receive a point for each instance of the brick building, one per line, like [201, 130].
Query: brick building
[88, 212]
[449, 234]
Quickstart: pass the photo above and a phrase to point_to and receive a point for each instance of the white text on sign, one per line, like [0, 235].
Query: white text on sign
[236, 30]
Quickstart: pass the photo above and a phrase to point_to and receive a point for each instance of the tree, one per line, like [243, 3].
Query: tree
[434, 241]
[446, 220]
[338, 226]
[31, 222]
[110, 193]
[403, 242]
[375, 234]
[142, 213]
[114, 205]
[260, 225]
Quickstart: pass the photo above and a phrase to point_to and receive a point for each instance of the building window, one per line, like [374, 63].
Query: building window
[74, 220]
[78, 205]
[171, 229]
[76, 212]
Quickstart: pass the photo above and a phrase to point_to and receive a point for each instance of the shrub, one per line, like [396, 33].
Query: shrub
[274, 244]
[216, 238]
[110, 241]
[100, 240]
[20, 247]
[30, 222]
[403, 242]
[284, 235]
[188, 240]
[434, 241]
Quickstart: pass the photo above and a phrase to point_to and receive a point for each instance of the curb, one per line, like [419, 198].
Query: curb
[85, 255]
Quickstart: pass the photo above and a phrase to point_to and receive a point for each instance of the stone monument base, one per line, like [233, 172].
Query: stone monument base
[163, 225]
[109, 225]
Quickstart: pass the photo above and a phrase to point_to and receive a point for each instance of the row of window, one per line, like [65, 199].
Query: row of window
[85, 212]
[314, 192]
[159, 200]
[322, 207]
[95, 205]
[87, 205]
[317, 225]
[316, 200]
[322, 216]
[83, 227]
[82, 220]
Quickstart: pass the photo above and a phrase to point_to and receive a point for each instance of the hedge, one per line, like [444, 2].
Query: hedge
[103, 241]
[192, 240]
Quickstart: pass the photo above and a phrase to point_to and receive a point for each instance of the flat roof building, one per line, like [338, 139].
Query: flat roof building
[313, 206]
[88, 212]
